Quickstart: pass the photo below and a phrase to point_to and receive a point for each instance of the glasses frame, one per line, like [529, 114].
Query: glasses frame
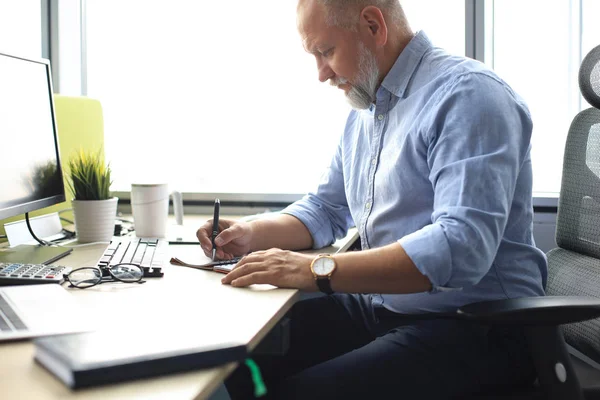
[103, 275]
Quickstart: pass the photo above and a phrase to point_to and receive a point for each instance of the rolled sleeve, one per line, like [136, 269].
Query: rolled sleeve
[314, 220]
[418, 247]
[475, 156]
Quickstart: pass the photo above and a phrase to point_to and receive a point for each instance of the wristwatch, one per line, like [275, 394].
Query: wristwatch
[322, 267]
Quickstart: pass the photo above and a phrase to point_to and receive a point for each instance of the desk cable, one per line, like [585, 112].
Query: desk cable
[259, 385]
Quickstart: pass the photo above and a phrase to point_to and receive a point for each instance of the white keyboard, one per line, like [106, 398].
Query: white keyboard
[150, 254]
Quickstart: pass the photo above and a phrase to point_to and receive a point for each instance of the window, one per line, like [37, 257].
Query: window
[241, 106]
[208, 99]
[21, 28]
[220, 97]
[445, 27]
[537, 48]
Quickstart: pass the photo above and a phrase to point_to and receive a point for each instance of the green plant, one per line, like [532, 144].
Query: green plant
[44, 180]
[89, 176]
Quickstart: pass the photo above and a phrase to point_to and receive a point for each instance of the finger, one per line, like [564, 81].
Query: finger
[229, 234]
[249, 258]
[203, 235]
[222, 254]
[207, 249]
[241, 269]
[255, 256]
[254, 278]
[227, 256]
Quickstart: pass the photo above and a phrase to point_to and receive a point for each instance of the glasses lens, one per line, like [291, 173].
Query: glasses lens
[127, 272]
[85, 277]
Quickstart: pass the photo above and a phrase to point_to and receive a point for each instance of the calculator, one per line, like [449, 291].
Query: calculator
[28, 274]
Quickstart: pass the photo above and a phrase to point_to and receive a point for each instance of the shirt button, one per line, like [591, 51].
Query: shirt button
[368, 206]
[374, 161]
[380, 117]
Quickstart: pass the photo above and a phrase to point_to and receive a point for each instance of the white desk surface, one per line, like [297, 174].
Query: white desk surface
[184, 300]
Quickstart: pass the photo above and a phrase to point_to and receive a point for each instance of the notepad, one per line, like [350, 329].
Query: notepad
[222, 266]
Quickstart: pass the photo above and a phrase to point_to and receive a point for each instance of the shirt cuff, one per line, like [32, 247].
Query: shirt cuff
[429, 250]
[312, 222]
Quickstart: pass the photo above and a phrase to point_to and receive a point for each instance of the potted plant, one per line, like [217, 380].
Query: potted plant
[89, 180]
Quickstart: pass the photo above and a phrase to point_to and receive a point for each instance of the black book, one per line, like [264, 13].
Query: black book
[90, 359]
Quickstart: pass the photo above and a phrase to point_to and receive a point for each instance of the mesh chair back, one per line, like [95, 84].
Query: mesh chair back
[589, 77]
[578, 223]
[574, 267]
[575, 274]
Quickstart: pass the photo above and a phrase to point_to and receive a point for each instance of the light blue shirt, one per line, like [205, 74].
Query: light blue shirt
[441, 163]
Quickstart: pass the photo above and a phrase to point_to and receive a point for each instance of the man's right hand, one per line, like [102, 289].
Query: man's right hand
[233, 240]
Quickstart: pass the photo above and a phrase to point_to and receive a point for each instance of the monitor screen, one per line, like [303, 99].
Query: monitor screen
[31, 175]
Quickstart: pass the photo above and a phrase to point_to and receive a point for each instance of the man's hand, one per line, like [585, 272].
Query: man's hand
[233, 240]
[281, 268]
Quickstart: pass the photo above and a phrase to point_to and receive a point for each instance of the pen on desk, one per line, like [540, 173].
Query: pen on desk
[215, 230]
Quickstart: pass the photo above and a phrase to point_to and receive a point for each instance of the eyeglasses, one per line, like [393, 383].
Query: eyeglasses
[86, 277]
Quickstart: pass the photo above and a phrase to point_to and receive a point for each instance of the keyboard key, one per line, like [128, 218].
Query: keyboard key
[139, 253]
[131, 250]
[147, 260]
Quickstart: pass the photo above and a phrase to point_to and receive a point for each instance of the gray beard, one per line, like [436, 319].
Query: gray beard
[362, 94]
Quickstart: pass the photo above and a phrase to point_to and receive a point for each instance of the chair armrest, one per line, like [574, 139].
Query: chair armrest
[543, 310]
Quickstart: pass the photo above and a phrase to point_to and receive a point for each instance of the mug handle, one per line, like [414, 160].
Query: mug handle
[177, 206]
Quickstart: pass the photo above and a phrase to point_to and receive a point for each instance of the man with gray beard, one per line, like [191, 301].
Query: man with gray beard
[434, 170]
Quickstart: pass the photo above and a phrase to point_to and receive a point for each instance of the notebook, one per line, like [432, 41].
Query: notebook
[222, 266]
[39, 310]
[96, 358]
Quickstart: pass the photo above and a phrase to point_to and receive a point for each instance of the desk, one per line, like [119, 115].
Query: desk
[186, 298]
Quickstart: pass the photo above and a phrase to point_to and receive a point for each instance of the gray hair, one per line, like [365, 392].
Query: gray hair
[344, 13]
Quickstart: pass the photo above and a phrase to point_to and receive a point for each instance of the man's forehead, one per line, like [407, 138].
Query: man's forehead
[311, 23]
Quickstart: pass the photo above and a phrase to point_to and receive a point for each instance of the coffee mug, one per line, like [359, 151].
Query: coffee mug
[150, 209]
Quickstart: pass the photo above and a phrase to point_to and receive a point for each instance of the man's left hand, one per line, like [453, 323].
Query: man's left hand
[281, 268]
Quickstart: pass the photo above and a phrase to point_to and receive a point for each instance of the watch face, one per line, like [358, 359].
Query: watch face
[323, 266]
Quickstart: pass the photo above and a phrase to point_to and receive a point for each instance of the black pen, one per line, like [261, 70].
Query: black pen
[215, 231]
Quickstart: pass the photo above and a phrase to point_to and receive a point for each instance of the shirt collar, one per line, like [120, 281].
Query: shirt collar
[407, 62]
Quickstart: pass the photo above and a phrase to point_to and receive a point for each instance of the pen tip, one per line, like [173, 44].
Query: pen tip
[214, 254]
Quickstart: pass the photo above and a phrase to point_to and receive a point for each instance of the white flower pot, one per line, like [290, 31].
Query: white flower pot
[95, 219]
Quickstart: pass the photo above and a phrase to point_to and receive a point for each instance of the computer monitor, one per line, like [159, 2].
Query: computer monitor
[31, 175]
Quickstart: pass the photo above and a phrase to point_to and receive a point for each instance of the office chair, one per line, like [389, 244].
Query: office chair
[571, 308]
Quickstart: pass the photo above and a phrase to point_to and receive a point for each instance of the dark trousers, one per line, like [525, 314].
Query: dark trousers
[342, 348]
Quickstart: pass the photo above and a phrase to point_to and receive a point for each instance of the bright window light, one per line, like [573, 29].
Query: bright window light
[21, 28]
[210, 100]
[537, 49]
[445, 27]
[220, 97]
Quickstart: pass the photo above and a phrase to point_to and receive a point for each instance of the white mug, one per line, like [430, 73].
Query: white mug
[150, 209]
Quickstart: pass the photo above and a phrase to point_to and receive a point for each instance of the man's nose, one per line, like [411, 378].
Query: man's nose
[325, 71]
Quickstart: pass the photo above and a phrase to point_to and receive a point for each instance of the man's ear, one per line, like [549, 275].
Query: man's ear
[373, 24]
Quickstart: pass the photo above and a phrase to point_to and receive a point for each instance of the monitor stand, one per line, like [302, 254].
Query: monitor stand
[33, 254]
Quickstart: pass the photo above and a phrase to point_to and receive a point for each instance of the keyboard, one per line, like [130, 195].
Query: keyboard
[150, 254]
[28, 274]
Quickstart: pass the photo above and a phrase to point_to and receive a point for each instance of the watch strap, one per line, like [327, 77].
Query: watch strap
[324, 285]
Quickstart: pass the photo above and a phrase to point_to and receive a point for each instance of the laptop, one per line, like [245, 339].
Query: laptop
[39, 310]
